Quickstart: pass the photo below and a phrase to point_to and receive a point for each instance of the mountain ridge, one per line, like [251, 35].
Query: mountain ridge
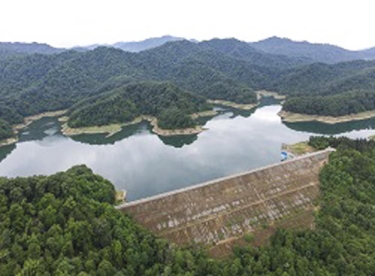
[219, 69]
[319, 52]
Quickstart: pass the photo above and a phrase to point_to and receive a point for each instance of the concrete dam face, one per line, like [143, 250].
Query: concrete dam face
[218, 214]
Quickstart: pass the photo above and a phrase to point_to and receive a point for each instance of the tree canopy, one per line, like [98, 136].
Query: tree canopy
[65, 224]
[225, 69]
[5, 130]
[170, 104]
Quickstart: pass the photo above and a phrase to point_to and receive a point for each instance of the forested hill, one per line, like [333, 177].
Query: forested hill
[65, 224]
[334, 90]
[38, 83]
[316, 52]
[168, 103]
[138, 46]
[8, 49]
[225, 69]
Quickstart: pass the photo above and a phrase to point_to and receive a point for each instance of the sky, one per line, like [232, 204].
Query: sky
[67, 23]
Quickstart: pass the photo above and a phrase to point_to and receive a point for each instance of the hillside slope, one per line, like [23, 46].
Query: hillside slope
[314, 51]
[8, 49]
[169, 104]
[329, 90]
[38, 83]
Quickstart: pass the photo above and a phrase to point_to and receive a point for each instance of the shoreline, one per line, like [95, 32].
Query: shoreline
[233, 104]
[207, 113]
[259, 94]
[265, 93]
[30, 119]
[8, 141]
[299, 148]
[26, 122]
[115, 128]
[107, 129]
[298, 117]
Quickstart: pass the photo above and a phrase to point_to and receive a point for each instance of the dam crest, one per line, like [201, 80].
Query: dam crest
[220, 212]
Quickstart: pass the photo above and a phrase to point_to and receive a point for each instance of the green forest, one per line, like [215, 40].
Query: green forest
[168, 103]
[332, 105]
[66, 224]
[330, 90]
[221, 69]
[5, 130]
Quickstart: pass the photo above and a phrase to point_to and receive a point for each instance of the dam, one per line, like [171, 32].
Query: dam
[226, 211]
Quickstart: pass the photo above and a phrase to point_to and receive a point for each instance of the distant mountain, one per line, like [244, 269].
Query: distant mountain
[243, 51]
[368, 53]
[149, 43]
[18, 48]
[89, 47]
[317, 52]
[134, 46]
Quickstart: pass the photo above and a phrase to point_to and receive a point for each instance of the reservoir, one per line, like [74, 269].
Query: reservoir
[146, 164]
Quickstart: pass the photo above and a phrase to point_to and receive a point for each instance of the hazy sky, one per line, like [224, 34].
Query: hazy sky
[66, 23]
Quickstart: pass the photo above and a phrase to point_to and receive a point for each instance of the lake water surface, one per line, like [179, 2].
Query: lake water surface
[145, 164]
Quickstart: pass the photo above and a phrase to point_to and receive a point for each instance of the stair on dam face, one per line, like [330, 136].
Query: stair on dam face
[225, 209]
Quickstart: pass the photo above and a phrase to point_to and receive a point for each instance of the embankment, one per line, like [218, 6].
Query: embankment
[218, 213]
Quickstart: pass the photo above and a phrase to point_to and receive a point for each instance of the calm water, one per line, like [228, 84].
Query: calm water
[145, 164]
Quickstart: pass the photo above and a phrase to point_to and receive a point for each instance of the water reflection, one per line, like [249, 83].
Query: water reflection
[6, 150]
[178, 141]
[103, 138]
[332, 129]
[145, 164]
[40, 129]
[143, 127]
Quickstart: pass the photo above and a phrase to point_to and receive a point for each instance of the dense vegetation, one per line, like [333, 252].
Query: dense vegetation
[169, 104]
[65, 224]
[8, 49]
[335, 90]
[232, 71]
[333, 105]
[341, 143]
[225, 69]
[5, 130]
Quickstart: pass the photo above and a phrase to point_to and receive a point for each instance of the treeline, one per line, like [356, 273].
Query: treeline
[225, 69]
[327, 79]
[331, 90]
[333, 105]
[65, 224]
[342, 242]
[222, 69]
[341, 143]
[168, 103]
[5, 130]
